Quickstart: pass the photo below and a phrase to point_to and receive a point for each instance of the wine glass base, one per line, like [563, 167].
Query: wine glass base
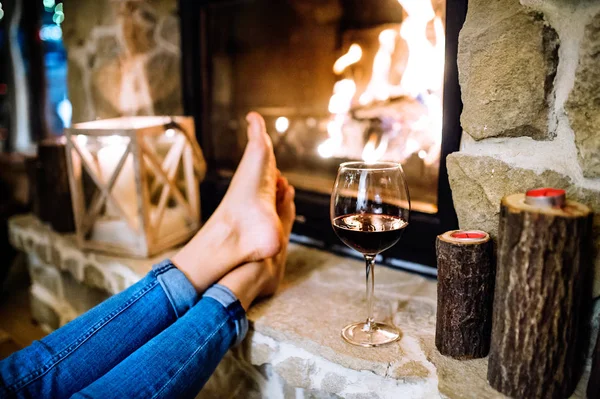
[380, 334]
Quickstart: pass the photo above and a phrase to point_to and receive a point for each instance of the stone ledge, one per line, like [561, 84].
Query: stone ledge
[294, 345]
[109, 273]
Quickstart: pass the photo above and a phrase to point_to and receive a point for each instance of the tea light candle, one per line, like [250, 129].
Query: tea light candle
[468, 235]
[546, 197]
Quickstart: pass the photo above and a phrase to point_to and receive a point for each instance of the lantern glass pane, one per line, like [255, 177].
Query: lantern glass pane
[166, 158]
[109, 188]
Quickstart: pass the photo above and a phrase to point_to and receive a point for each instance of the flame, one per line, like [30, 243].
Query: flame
[422, 79]
[339, 105]
[341, 101]
[379, 86]
[425, 67]
[353, 55]
[372, 154]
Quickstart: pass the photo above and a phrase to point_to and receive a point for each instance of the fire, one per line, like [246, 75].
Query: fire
[372, 154]
[339, 105]
[425, 67]
[421, 80]
[353, 55]
[343, 92]
[379, 87]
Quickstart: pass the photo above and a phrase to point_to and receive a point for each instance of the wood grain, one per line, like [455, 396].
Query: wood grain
[542, 299]
[53, 191]
[466, 274]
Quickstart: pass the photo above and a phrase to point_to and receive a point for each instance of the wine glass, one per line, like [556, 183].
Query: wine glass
[370, 207]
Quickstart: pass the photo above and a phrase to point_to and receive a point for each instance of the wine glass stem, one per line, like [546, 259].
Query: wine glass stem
[370, 263]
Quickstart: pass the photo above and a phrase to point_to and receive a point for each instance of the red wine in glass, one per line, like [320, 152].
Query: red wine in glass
[369, 233]
[370, 207]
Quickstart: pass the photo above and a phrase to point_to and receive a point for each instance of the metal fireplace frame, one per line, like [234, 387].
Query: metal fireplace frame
[313, 227]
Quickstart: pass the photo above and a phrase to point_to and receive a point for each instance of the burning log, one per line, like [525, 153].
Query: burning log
[407, 107]
[542, 293]
[466, 272]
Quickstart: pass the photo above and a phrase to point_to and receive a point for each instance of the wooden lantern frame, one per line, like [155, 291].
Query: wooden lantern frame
[147, 164]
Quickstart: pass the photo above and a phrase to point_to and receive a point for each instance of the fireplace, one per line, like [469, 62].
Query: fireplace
[336, 80]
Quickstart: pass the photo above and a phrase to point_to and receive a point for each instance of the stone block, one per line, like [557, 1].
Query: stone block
[138, 22]
[123, 58]
[507, 59]
[583, 104]
[46, 276]
[93, 277]
[83, 109]
[233, 378]
[295, 371]
[44, 313]
[164, 82]
[80, 296]
[169, 31]
[479, 182]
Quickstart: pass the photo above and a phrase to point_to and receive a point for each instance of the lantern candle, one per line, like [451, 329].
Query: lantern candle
[124, 188]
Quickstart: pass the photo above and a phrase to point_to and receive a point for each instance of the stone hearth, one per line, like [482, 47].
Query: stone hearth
[294, 345]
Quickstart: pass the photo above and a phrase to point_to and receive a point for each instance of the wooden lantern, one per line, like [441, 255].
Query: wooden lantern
[135, 183]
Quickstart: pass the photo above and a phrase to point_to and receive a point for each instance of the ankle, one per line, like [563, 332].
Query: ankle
[247, 282]
[202, 267]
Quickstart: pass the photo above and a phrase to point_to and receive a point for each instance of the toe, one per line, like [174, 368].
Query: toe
[282, 187]
[287, 210]
[280, 192]
[257, 131]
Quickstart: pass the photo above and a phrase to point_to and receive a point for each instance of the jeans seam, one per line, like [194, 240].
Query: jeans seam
[163, 269]
[156, 395]
[63, 354]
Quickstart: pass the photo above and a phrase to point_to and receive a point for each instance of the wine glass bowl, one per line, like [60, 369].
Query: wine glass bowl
[370, 207]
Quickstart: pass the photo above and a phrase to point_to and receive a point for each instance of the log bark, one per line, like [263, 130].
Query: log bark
[541, 300]
[593, 388]
[466, 274]
[53, 191]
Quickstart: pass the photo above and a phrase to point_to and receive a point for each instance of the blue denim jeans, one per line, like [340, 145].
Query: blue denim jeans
[157, 339]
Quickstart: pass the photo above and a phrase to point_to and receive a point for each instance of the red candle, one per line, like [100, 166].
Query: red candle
[546, 197]
[468, 235]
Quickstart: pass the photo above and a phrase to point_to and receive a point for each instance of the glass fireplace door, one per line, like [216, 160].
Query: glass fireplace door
[336, 80]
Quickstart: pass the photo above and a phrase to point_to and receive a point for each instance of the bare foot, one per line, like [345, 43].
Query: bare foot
[258, 279]
[245, 227]
[249, 202]
[286, 209]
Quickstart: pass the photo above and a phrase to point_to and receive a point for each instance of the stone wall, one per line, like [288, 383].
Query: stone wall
[123, 58]
[530, 78]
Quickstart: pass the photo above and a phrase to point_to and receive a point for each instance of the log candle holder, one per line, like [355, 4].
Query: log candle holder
[593, 388]
[53, 191]
[542, 292]
[465, 291]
